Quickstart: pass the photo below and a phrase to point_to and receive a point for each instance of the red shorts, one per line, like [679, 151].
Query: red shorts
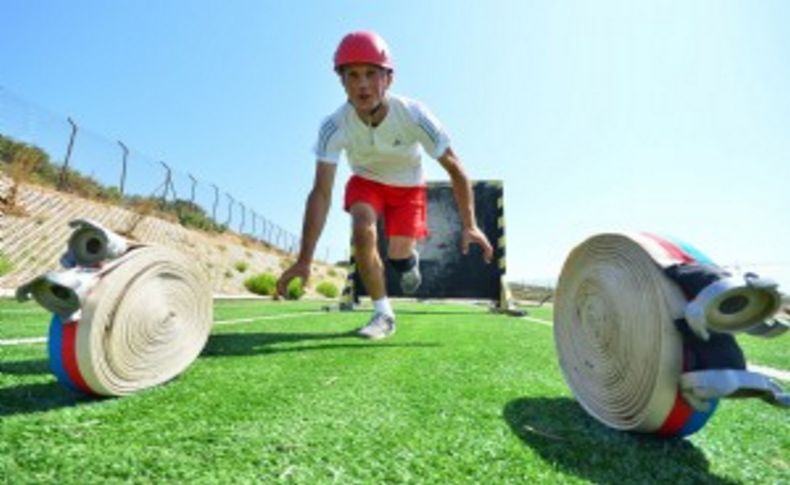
[404, 209]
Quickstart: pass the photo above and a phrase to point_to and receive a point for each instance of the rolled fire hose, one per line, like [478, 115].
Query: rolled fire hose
[616, 327]
[137, 322]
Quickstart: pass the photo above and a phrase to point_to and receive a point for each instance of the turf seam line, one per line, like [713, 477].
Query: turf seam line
[538, 320]
[269, 317]
[770, 372]
[41, 340]
[23, 341]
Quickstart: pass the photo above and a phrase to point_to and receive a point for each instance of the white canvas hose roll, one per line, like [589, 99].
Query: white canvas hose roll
[614, 332]
[138, 321]
[627, 347]
[145, 323]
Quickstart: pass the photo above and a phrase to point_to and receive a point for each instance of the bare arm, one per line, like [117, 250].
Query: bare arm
[462, 190]
[316, 210]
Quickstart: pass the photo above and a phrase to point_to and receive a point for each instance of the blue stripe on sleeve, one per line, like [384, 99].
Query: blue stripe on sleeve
[429, 129]
[326, 137]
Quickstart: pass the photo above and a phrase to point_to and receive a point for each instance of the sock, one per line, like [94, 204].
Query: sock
[403, 265]
[383, 306]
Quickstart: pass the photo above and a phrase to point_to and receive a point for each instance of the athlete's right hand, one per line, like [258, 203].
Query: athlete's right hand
[297, 270]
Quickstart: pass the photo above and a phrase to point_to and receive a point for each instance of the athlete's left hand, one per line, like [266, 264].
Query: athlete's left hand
[475, 235]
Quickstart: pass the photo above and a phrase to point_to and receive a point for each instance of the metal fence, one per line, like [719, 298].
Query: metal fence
[113, 164]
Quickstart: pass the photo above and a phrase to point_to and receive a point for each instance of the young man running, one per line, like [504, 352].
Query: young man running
[380, 133]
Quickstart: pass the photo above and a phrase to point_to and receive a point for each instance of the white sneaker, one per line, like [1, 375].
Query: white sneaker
[411, 280]
[379, 326]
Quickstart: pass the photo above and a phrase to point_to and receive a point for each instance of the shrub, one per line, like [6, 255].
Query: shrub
[241, 266]
[261, 284]
[192, 215]
[295, 289]
[327, 288]
[332, 272]
[5, 264]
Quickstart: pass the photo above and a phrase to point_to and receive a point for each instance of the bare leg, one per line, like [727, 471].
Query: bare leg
[366, 252]
[401, 247]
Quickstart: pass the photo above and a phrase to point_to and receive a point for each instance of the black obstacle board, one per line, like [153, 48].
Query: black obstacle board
[446, 272]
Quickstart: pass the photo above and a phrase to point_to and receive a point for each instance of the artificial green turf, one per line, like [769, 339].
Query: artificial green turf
[19, 320]
[458, 395]
[769, 352]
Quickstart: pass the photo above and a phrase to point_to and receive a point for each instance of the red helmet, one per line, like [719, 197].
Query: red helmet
[365, 48]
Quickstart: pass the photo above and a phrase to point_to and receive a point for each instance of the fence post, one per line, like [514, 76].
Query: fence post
[168, 179]
[279, 236]
[216, 203]
[243, 218]
[123, 166]
[62, 180]
[231, 200]
[194, 184]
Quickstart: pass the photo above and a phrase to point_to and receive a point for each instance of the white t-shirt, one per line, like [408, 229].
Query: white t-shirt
[387, 153]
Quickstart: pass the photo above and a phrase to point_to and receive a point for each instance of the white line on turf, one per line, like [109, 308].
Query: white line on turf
[283, 316]
[267, 317]
[537, 320]
[22, 341]
[770, 372]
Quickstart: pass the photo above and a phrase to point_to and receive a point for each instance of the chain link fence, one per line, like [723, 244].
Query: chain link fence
[132, 179]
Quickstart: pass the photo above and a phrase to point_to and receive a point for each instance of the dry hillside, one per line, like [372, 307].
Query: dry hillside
[33, 236]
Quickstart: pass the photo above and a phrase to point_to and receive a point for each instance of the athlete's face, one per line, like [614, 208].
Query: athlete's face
[365, 85]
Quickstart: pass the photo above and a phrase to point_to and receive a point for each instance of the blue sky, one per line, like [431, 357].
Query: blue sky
[667, 116]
